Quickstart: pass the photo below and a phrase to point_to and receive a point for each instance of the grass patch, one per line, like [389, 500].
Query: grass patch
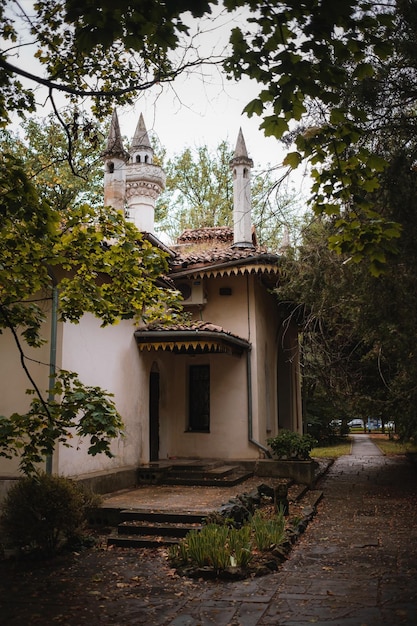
[333, 450]
[394, 446]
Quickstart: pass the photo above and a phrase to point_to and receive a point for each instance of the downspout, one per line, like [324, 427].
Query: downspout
[250, 415]
[52, 353]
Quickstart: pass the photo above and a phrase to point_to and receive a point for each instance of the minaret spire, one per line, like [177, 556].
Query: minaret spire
[141, 138]
[115, 158]
[241, 166]
[144, 180]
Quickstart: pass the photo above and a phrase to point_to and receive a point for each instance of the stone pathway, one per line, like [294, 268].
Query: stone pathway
[356, 565]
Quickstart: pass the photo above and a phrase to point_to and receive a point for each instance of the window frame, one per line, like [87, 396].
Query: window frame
[199, 398]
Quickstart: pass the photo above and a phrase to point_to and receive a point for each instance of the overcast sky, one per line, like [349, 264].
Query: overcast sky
[201, 108]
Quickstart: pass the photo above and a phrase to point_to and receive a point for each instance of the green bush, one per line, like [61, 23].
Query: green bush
[42, 512]
[291, 445]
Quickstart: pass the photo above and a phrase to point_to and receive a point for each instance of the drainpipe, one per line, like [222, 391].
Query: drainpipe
[52, 353]
[250, 415]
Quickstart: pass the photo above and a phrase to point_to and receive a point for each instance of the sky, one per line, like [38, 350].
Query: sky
[200, 108]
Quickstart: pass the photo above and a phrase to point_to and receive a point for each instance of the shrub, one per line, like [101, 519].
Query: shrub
[290, 445]
[42, 512]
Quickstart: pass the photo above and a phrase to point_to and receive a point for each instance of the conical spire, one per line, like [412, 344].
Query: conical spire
[241, 166]
[114, 146]
[240, 150]
[240, 155]
[140, 138]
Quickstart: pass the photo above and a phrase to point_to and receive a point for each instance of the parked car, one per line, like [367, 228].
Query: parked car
[356, 423]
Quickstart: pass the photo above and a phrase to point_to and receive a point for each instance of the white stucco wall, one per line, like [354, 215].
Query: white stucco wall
[228, 408]
[251, 313]
[109, 358]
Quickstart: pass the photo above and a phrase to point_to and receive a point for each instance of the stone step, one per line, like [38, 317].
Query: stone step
[157, 528]
[197, 466]
[141, 542]
[202, 471]
[140, 529]
[208, 473]
[167, 517]
[208, 481]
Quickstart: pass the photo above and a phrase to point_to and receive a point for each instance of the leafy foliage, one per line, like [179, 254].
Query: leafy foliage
[216, 546]
[199, 193]
[106, 52]
[41, 512]
[313, 59]
[309, 59]
[358, 343]
[267, 532]
[221, 546]
[80, 412]
[100, 264]
[65, 176]
[290, 445]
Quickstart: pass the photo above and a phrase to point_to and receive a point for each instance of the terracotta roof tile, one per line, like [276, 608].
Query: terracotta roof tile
[205, 246]
[218, 233]
[191, 326]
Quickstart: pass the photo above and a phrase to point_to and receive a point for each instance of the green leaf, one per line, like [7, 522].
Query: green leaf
[274, 126]
[293, 160]
[255, 107]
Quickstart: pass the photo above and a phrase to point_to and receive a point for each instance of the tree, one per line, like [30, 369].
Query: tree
[337, 78]
[358, 342]
[103, 52]
[199, 192]
[63, 181]
[310, 58]
[307, 57]
[101, 264]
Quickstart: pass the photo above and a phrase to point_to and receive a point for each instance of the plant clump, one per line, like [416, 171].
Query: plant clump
[289, 445]
[42, 513]
[221, 550]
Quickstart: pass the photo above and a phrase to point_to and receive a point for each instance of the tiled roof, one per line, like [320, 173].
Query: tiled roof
[197, 235]
[199, 325]
[203, 247]
[194, 336]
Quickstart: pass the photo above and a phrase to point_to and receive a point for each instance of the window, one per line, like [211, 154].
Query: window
[199, 398]
[110, 167]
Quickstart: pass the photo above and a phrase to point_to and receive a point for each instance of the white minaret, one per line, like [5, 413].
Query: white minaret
[241, 166]
[115, 158]
[144, 181]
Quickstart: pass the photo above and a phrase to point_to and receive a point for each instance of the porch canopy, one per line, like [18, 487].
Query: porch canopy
[194, 338]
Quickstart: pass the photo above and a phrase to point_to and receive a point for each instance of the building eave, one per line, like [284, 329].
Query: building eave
[191, 342]
[257, 264]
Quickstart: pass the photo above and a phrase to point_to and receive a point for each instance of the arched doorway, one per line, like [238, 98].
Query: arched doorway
[154, 413]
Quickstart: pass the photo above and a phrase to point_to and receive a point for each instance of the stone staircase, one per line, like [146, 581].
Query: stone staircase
[149, 529]
[189, 473]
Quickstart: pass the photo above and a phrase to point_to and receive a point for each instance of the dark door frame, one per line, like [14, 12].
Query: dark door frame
[154, 382]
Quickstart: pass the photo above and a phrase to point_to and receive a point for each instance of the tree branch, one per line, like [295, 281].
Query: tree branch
[13, 69]
[23, 358]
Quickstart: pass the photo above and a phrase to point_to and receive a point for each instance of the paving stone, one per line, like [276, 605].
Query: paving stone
[355, 565]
